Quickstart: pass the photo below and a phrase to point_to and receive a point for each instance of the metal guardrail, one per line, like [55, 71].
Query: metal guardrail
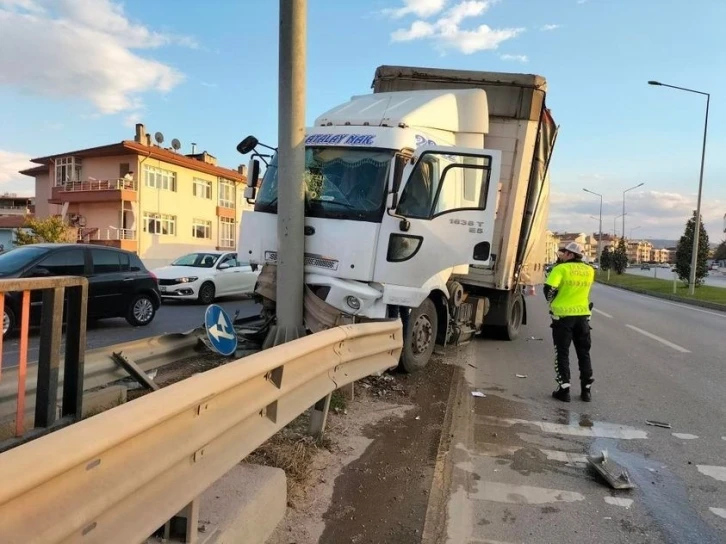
[100, 368]
[119, 476]
[56, 292]
[99, 185]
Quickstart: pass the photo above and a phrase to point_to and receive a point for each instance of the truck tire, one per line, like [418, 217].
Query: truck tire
[419, 337]
[515, 316]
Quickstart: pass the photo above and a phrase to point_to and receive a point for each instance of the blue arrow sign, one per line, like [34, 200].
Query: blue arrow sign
[220, 331]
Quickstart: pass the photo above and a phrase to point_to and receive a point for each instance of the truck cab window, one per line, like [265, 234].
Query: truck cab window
[463, 184]
[418, 193]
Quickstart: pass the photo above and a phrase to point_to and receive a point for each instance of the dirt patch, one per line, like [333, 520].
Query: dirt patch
[370, 482]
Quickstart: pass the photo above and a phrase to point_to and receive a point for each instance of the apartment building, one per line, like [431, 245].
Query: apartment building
[552, 244]
[588, 243]
[660, 255]
[142, 197]
[639, 251]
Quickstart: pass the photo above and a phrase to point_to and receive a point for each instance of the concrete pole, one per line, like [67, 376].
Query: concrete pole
[291, 170]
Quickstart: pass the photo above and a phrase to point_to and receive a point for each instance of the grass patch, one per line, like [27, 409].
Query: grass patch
[292, 450]
[338, 402]
[705, 293]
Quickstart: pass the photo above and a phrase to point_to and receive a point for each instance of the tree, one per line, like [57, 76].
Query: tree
[720, 253]
[606, 259]
[620, 257]
[684, 252]
[51, 230]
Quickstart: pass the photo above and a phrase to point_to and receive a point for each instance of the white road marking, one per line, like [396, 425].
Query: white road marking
[602, 313]
[720, 512]
[684, 306]
[490, 449]
[717, 473]
[522, 494]
[659, 339]
[598, 430]
[685, 436]
[617, 501]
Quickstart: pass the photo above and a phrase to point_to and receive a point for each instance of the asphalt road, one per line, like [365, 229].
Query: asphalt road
[714, 279]
[174, 316]
[520, 471]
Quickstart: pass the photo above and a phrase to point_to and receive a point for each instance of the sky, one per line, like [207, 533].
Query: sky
[81, 73]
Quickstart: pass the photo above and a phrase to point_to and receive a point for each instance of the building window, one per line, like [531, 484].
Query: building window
[226, 194]
[67, 169]
[159, 223]
[227, 229]
[202, 229]
[160, 178]
[203, 188]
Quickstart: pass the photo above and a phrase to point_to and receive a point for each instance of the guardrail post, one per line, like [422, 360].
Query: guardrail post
[75, 355]
[51, 329]
[319, 416]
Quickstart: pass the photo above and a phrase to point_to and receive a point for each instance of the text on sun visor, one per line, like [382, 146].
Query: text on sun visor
[344, 139]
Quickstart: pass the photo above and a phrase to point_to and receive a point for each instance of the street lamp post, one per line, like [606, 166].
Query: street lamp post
[615, 219]
[625, 191]
[696, 234]
[632, 229]
[599, 236]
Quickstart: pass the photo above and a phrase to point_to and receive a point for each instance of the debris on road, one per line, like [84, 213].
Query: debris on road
[658, 424]
[478, 394]
[521, 375]
[472, 366]
[535, 339]
[615, 475]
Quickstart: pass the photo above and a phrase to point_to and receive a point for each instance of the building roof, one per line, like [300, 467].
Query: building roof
[12, 221]
[127, 147]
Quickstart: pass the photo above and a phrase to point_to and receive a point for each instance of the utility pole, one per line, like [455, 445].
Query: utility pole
[291, 172]
[599, 241]
[624, 214]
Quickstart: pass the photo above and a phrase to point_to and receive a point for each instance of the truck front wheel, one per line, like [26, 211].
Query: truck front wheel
[419, 336]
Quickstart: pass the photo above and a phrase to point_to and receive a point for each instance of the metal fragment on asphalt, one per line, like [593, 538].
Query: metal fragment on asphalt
[478, 394]
[658, 424]
[521, 375]
[615, 475]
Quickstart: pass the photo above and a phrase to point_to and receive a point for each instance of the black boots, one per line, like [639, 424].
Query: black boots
[562, 393]
[586, 394]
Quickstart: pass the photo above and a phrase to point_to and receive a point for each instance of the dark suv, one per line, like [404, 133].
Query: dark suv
[119, 285]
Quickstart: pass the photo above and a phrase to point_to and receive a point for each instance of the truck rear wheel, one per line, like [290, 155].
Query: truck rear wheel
[515, 316]
[419, 337]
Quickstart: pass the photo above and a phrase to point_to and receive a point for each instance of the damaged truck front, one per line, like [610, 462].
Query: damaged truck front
[427, 200]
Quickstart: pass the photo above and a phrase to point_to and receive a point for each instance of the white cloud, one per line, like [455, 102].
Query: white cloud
[546, 28]
[11, 162]
[82, 48]
[420, 8]
[659, 214]
[446, 32]
[517, 58]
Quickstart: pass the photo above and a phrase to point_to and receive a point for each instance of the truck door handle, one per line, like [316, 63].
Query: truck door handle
[309, 231]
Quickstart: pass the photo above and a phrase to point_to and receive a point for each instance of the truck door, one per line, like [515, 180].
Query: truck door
[444, 216]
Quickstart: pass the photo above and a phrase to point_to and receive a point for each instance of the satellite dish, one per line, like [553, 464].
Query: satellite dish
[159, 137]
[175, 144]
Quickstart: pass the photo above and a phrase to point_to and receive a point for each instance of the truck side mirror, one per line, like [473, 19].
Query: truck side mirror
[253, 177]
[392, 201]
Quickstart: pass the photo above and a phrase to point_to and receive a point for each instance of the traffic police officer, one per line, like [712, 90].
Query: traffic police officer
[567, 290]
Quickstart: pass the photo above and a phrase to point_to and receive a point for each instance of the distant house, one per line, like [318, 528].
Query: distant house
[8, 225]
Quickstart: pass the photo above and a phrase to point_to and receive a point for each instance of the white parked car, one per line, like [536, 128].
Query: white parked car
[205, 275]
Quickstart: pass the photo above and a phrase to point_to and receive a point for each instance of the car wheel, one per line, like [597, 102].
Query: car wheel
[8, 321]
[206, 293]
[141, 311]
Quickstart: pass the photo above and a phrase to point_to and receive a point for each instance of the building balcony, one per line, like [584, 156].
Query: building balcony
[96, 190]
[111, 237]
[14, 210]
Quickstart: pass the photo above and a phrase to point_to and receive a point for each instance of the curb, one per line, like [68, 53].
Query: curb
[671, 298]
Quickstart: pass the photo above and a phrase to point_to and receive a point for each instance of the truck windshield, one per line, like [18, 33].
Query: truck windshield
[340, 183]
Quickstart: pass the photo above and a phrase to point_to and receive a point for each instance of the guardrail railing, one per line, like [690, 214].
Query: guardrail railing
[117, 477]
[26, 299]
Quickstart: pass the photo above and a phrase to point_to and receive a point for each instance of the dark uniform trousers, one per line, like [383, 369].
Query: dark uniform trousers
[572, 330]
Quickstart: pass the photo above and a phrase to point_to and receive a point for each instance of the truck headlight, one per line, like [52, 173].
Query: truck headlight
[353, 302]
